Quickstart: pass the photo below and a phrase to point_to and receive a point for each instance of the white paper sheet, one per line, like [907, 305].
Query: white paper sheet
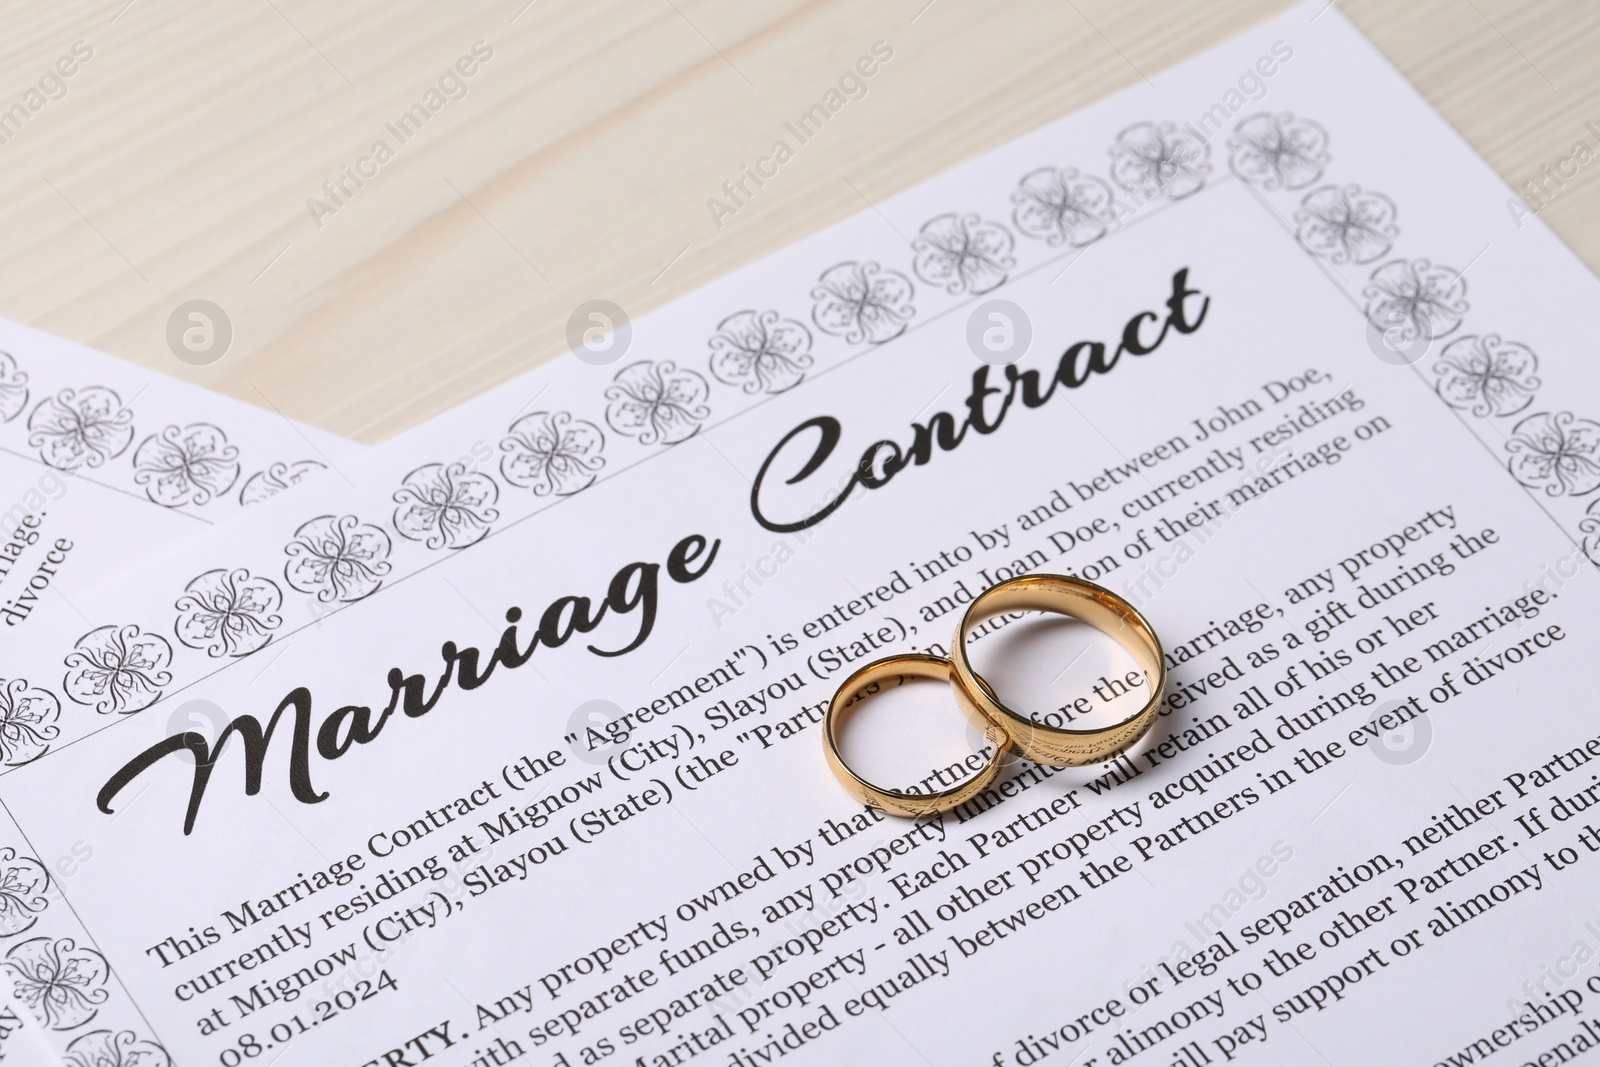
[118, 462]
[1360, 834]
[103, 463]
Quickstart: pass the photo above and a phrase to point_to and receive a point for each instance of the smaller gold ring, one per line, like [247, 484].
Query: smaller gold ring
[850, 697]
[1099, 607]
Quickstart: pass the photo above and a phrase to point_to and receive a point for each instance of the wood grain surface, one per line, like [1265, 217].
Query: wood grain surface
[180, 159]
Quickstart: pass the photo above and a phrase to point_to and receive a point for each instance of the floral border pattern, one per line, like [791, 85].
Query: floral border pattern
[13, 387]
[1160, 160]
[56, 974]
[228, 612]
[1346, 224]
[193, 464]
[1551, 453]
[337, 558]
[1413, 299]
[118, 669]
[89, 429]
[963, 254]
[656, 402]
[27, 721]
[268, 483]
[1487, 376]
[551, 452]
[79, 428]
[862, 302]
[762, 351]
[24, 885]
[115, 1048]
[751, 354]
[1278, 151]
[1060, 206]
[64, 983]
[445, 505]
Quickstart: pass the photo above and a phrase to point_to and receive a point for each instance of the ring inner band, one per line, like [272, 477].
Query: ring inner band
[849, 699]
[1091, 604]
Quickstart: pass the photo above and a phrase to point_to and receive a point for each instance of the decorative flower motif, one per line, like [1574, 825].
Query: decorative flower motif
[1589, 526]
[552, 452]
[1344, 224]
[63, 984]
[13, 388]
[1487, 375]
[963, 253]
[1413, 298]
[27, 721]
[82, 427]
[23, 882]
[1559, 453]
[1278, 151]
[228, 612]
[191, 465]
[115, 1048]
[657, 402]
[862, 302]
[263, 485]
[118, 669]
[1061, 205]
[445, 506]
[337, 558]
[760, 352]
[1160, 159]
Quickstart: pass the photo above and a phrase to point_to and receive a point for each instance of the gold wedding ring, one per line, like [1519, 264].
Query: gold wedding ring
[1099, 607]
[1003, 728]
[864, 684]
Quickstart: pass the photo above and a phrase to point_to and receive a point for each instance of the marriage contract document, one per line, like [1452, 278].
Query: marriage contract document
[503, 747]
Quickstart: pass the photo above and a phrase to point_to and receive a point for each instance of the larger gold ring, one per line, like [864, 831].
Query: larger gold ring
[855, 691]
[1099, 607]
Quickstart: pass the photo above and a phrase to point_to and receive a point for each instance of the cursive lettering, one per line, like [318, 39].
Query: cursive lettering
[631, 591]
[882, 460]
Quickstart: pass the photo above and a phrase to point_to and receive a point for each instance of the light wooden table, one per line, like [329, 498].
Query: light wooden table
[180, 161]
